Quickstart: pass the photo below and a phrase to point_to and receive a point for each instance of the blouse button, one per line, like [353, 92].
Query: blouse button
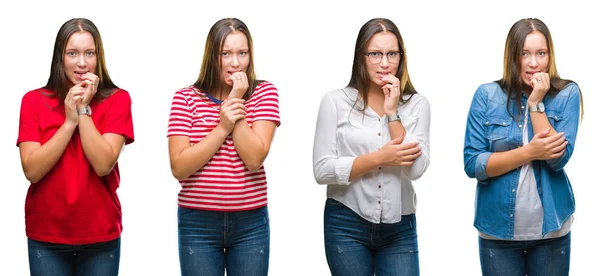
[379, 134]
[379, 186]
[511, 215]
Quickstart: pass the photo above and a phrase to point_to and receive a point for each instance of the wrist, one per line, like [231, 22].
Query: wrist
[378, 157]
[70, 125]
[529, 155]
[222, 130]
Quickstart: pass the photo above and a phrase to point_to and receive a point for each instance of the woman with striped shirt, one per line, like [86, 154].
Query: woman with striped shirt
[220, 131]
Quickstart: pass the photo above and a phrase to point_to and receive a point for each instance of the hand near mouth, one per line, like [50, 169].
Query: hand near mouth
[72, 100]
[90, 82]
[391, 91]
[240, 84]
[540, 83]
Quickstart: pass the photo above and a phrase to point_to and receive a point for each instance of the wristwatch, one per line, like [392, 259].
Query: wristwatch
[394, 118]
[84, 111]
[539, 107]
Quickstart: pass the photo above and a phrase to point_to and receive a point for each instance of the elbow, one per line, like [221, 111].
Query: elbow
[321, 177]
[105, 170]
[32, 177]
[179, 175]
[253, 165]
[255, 162]
[31, 174]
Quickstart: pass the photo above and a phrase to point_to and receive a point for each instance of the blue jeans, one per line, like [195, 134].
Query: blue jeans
[51, 259]
[548, 257]
[211, 242]
[357, 247]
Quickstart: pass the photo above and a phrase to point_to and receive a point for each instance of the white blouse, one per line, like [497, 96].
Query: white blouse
[344, 132]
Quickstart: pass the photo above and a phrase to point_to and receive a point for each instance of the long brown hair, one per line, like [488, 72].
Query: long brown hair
[210, 79]
[57, 81]
[360, 77]
[511, 80]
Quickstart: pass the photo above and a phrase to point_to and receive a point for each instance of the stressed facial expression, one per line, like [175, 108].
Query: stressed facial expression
[534, 57]
[234, 56]
[79, 57]
[383, 58]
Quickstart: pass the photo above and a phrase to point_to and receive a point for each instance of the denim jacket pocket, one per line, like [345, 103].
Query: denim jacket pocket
[497, 128]
[497, 133]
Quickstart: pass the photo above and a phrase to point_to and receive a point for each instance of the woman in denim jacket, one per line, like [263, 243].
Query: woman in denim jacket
[520, 134]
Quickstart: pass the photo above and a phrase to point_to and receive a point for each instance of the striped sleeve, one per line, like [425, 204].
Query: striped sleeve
[267, 103]
[180, 117]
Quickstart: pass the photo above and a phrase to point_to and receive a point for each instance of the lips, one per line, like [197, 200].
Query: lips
[80, 73]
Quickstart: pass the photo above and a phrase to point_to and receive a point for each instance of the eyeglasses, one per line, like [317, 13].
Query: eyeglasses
[376, 57]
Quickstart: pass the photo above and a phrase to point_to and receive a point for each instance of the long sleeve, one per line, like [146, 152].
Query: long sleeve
[421, 135]
[328, 166]
[567, 124]
[476, 152]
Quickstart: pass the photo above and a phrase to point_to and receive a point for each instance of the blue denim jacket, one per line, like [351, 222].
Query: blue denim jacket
[490, 128]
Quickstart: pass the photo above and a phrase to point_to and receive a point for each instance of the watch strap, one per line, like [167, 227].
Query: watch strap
[394, 118]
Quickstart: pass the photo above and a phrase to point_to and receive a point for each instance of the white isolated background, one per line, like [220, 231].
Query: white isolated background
[305, 48]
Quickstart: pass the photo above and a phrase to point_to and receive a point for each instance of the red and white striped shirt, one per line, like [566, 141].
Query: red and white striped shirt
[223, 183]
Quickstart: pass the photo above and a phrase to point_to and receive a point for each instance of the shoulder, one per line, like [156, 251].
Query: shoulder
[416, 99]
[346, 93]
[264, 88]
[37, 94]
[119, 95]
[188, 91]
[570, 90]
[490, 88]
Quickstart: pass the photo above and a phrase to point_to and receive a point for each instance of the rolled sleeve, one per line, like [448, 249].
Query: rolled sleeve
[343, 167]
[328, 167]
[476, 151]
[421, 135]
[568, 125]
[480, 165]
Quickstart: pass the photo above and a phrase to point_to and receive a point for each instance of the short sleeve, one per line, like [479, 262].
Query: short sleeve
[267, 103]
[29, 126]
[180, 117]
[120, 119]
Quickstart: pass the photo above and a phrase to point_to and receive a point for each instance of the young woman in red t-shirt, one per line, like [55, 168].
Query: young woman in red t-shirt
[71, 133]
[220, 132]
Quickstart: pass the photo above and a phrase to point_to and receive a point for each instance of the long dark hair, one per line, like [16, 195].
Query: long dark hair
[57, 81]
[210, 78]
[511, 80]
[360, 77]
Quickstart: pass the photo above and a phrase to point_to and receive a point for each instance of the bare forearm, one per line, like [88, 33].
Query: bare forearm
[248, 144]
[364, 164]
[97, 150]
[192, 158]
[540, 122]
[40, 161]
[396, 129]
[500, 163]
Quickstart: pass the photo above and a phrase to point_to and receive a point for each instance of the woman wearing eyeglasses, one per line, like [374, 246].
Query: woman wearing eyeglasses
[371, 142]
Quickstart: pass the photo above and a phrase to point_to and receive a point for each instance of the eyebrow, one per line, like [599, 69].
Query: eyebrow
[228, 50]
[74, 49]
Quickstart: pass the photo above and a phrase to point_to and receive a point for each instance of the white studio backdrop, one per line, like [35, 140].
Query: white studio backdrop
[305, 48]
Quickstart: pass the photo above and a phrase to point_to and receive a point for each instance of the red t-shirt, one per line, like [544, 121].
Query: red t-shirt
[71, 204]
[223, 183]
